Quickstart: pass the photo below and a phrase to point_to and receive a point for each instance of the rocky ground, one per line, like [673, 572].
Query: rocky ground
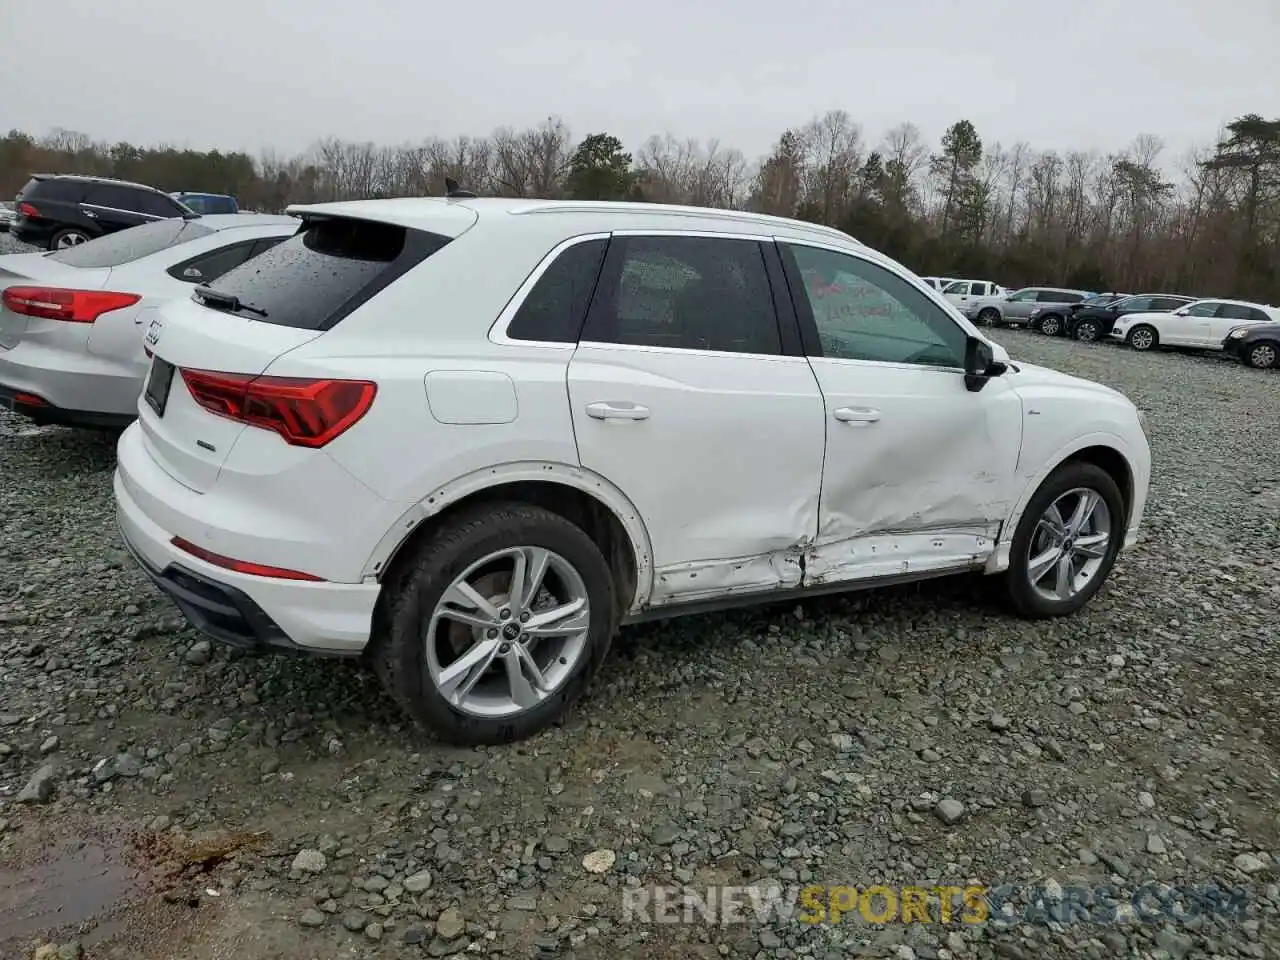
[160, 799]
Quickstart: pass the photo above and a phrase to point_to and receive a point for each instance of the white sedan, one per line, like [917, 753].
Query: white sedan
[72, 321]
[1203, 324]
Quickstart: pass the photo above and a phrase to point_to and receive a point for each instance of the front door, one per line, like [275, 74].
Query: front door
[920, 472]
[683, 396]
[1017, 309]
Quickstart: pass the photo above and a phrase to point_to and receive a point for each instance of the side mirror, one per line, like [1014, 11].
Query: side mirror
[1181, 313]
[979, 364]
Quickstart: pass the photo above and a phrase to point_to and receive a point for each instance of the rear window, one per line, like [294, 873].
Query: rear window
[71, 190]
[322, 273]
[125, 246]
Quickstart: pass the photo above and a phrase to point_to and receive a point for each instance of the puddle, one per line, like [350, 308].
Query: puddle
[65, 888]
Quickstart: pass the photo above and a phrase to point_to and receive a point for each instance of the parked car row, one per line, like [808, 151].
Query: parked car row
[64, 210]
[1145, 321]
[424, 431]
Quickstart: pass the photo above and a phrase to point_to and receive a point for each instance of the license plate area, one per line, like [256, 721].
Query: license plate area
[159, 381]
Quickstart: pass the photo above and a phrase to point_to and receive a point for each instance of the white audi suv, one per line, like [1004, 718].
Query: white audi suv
[470, 438]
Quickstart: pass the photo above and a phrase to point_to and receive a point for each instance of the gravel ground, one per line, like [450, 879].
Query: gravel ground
[160, 799]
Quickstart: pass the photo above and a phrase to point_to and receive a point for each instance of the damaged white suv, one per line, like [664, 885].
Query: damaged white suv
[470, 438]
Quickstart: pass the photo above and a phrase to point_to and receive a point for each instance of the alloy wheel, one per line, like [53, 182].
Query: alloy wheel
[1142, 339]
[1087, 332]
[71, 240]
[508, 632]
[1069, 545]
[1263, 356]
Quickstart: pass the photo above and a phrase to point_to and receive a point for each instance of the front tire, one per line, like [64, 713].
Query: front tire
[495, 626]
[1263, 355]
[1066, 542]
[1088, 331]
[1051, 325]
[1143, 337]
[989, 316]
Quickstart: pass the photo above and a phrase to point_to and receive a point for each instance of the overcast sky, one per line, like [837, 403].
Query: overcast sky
[249, 74]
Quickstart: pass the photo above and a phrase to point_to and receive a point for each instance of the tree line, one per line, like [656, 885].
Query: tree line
[1207, 224]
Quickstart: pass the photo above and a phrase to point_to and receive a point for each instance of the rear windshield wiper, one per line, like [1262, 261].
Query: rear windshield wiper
[226, 301]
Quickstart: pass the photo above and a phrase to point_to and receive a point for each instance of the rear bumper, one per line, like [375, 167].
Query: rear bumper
[85, 385]
[235, 608]
[42, 413]
[28, 233]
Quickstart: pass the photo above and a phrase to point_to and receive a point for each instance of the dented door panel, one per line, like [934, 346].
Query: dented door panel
[922, 485]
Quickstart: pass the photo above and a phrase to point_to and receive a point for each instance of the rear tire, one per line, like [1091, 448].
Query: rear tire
[1264, 355]
[418, 644]
[68, 237]
[1035, 541]
[1051, 325]
[1143, 337]
[989, 316]
[1088, 331]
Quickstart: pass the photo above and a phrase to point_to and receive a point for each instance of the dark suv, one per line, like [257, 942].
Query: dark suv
[58, 211]
[1093, 323]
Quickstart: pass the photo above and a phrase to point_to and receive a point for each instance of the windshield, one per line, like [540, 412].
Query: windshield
[132, 244]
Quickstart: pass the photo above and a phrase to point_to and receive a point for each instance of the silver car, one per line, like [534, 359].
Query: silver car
[73, 321]
[1025, 307]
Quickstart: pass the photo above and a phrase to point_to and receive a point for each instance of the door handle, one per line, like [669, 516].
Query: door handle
[856, 415]
[610, 410]
[90, 214]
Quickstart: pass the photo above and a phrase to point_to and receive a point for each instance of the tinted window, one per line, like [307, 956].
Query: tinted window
[68, 190]
[864, 312]
[1207, 309]
[1167, 303]
[1070, 297]
[323, 272]
[156, 204]
[209, 266]
[1023, 296]
[260, 246]
[557, 305]
[695, 293]
[1235, 311]
[1136, 304]
[114, 196]
[132, 244]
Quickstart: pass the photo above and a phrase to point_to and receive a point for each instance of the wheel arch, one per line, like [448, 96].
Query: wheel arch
[1103, 450]
[580, 496]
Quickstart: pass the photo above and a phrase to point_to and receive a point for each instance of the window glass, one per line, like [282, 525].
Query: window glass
[694, 293]
[211, 265]
[114, 196]
[314, 278]
[865, 312]
[135, 243]
[556, 306]
[1136, 304]
[1024, 296]
[156, 204]
[1050, 296]
[1235, 311]
[65, 190]
[260, 246]
[960, 287]
[1207, 308]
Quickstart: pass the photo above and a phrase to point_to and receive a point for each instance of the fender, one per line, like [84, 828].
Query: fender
[999, 559]
[569, 475]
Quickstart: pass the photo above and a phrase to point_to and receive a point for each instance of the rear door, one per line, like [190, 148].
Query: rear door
[1189, 326]
[113, 207]
[1227, 317]
[689, 396]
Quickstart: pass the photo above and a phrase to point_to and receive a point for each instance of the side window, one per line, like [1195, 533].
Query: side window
[556, 306]
[693, 293]
[155, 204]
[1168, 303]
[865, 312]
[110, 195]
[1024, 296]
[1206, 309]
[1050, 296]
[209, 266]
[1070, 297]
[1257, 316]
[1139, 304]
[960, 287]
[1234, 311]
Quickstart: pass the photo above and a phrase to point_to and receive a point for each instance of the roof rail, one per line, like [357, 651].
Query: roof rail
[675, 210]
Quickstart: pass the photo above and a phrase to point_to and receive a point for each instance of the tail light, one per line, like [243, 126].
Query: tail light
[241, 566]
[56, 303]
[306, 412]
[27, 210]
